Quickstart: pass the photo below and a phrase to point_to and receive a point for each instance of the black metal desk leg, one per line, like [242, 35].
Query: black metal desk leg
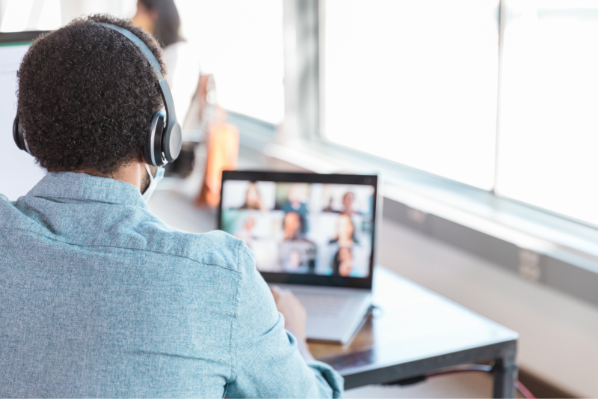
[505, 376]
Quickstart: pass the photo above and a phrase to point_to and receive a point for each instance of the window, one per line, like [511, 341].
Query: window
[418, 79]
[21, 15]
[241, 43]
[548, 132]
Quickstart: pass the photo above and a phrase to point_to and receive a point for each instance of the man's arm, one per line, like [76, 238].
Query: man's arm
[267, 360]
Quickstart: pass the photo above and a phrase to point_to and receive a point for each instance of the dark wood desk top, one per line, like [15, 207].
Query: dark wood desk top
[411, 323]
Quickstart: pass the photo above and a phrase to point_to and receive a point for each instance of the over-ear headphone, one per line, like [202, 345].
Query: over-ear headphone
[164, 138]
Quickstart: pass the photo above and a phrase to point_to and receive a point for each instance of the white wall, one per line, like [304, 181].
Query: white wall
[558, 334]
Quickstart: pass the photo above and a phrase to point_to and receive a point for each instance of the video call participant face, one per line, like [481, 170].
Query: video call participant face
[253, 199]
[291, 225]
[348, 200]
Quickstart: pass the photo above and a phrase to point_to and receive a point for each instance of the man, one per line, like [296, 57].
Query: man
[98, 297]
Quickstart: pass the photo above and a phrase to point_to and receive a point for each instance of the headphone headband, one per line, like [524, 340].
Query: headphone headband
[142, 46]
[172, 137]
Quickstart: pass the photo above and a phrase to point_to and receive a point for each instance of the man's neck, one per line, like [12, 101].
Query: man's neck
[133, 173]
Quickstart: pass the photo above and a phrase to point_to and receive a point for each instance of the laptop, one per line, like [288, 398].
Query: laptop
[313, 234]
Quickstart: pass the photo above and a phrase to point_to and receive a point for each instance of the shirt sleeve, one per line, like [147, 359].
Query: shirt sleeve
[266, 362]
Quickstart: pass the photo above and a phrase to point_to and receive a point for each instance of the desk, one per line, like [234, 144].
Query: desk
[414, 332]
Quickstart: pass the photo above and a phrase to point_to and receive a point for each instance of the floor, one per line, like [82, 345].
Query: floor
[176, 209]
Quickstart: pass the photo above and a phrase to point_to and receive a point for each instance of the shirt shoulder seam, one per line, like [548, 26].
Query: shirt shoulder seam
[233, 347]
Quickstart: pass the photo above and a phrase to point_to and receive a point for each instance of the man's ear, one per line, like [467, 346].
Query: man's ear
[141, 158]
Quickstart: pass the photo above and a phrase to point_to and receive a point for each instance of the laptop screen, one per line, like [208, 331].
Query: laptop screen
[304, 228]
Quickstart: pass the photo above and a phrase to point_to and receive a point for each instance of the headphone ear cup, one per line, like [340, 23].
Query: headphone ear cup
[173, 142]
[18, 134]
[152, 150]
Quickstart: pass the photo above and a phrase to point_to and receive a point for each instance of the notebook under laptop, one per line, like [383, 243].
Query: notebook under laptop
[313, 234]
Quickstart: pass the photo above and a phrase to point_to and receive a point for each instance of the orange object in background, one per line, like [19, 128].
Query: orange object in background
[223, 152]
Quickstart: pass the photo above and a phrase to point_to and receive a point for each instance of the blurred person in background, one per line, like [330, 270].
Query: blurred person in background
[161, 19]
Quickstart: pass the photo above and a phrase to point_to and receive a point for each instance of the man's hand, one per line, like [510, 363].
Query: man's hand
[294, 317]
[292, 310]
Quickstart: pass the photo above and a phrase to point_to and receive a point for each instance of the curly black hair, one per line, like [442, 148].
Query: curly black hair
[86, 96]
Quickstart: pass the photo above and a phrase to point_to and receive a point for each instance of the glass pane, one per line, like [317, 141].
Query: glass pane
[549, 107]
[241, 43]
[414, 81]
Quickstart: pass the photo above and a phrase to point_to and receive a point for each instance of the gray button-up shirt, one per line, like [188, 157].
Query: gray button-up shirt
[99, 298]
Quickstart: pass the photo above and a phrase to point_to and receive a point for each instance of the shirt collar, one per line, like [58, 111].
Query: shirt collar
[81, 186]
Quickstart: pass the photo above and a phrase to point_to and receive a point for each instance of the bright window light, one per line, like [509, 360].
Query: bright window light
[241, 43]
[16, 15]
[548, 135]
[50, 15]
[415, 82]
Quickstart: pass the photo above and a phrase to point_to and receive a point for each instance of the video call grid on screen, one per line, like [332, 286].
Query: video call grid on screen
[304, 228]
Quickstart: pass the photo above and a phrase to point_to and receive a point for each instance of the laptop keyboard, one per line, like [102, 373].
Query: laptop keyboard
[329, 306]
